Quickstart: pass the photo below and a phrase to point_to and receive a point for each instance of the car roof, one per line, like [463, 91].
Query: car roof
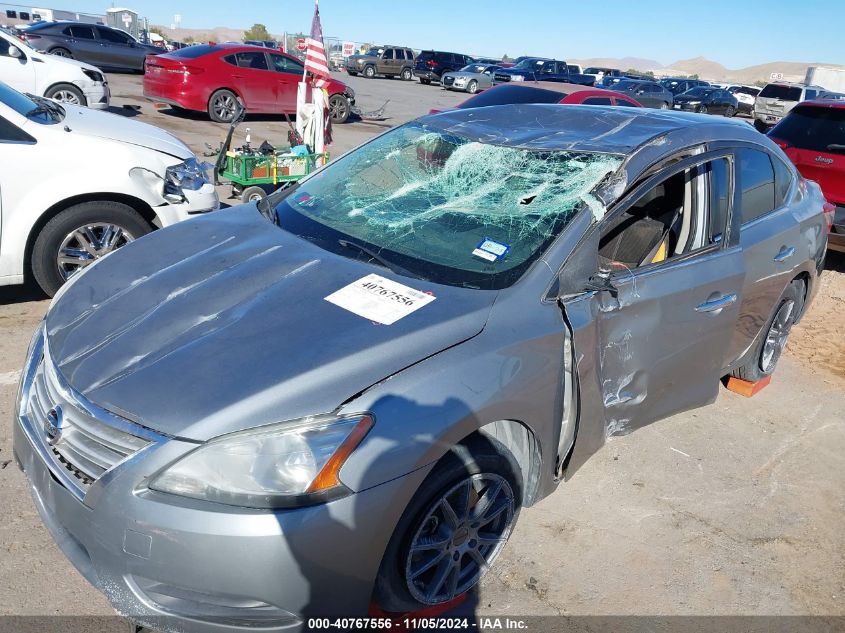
[586, 128]
[824, 103]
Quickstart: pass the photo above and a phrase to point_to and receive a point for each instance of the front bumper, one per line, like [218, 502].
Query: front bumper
[429, 75]
[203, 200]
[176, 564]
[97, 95]
[686, 107]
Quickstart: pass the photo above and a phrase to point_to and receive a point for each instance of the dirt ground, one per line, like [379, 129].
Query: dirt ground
[733, 509]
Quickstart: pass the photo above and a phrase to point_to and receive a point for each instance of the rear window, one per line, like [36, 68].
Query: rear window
[785, 93]
[507, 93]
[192, 52]
[814, 129]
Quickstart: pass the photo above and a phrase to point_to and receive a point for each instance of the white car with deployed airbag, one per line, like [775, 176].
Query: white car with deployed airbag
[59, 78]
[76, 184]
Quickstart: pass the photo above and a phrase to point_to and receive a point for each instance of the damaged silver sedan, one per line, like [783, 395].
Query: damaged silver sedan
[345, 394]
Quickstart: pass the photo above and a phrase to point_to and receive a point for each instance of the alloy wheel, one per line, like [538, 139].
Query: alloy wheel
[777, 336]
[459, 538]
[224, 107]
[337, 108]
[87, 243]
[66, 96]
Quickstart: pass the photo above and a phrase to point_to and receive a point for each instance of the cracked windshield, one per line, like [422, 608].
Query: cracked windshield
[444, 207]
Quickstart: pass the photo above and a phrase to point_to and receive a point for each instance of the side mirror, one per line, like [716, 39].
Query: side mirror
[15, 52]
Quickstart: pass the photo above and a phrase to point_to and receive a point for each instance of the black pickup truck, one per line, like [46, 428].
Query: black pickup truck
[542, 69]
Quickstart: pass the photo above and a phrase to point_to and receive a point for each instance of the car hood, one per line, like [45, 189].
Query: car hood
[459, 73]
[688, 98]
[62, 61]
[220, 324]
[117, 128]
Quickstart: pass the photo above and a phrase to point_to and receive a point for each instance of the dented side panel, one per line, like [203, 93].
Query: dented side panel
[652, 349]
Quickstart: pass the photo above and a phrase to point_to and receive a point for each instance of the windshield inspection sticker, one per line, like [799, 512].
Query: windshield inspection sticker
[491, 250]
[378, 299]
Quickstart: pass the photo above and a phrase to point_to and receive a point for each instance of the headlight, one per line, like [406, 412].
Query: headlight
[517, 78]
[271, 467]
[694, 102]
[360, 61]
[93, 75]
[188, 175]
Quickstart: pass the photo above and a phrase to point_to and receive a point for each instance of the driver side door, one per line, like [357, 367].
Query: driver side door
[651, 334]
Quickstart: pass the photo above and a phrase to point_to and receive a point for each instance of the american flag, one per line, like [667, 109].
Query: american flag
[315, 52]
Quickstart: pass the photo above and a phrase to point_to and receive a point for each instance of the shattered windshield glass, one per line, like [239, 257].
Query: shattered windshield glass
[443, 207]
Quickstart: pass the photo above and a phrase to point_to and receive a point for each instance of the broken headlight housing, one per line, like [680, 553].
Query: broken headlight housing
[281, 465]
[188, 175]
[93, 75]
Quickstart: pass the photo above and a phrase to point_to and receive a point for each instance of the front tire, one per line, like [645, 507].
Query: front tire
[702, 109]
[730, 112]
[472, 87]
[78, 236]
[339, 108]
[66, 93]
[425, 82]
[407, 74]
[771, 345]
[453, 528]
[369, 72]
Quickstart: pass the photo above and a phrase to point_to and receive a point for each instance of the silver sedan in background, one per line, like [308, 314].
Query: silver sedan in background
[470, 78]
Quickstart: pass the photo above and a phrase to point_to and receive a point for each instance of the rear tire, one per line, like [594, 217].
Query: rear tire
[702, 109]
[769, 348]
[56, 239]
[730, 112]
[61, 52]
[480, 467]
[222, 106]
[407, 74]
[425, 82]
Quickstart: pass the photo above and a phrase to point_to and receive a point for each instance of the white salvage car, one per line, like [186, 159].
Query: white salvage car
[59, 78]
[75, 184]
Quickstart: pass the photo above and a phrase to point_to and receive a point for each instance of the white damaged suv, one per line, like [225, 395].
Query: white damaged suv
[75, 184]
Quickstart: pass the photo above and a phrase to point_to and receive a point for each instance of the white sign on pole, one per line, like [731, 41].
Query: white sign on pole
[776, 76]
[348, 49]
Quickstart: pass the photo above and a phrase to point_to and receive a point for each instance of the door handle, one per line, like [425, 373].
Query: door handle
[716, 304]
[785, 253]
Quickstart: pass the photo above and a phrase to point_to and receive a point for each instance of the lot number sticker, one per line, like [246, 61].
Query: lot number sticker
[378, 299]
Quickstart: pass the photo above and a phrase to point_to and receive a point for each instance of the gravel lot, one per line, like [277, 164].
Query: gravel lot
[734, 509]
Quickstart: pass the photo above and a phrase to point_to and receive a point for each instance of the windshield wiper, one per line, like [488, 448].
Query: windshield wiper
[45, 106]
[378, 258]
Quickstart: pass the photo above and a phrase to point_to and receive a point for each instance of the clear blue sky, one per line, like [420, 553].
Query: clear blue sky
[735, 33]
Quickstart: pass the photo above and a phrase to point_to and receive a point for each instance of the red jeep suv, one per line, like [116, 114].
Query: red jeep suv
[813, 136]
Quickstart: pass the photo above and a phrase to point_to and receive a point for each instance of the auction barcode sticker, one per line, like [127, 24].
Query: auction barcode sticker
[378, 299]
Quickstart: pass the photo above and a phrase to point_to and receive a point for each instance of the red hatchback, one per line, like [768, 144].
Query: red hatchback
[813, 136]
[209, 77]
